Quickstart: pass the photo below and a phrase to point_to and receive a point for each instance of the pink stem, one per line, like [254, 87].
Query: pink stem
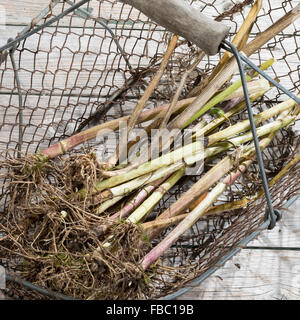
[232, 103]
[128, 208]
[131, 205]
[64, 146]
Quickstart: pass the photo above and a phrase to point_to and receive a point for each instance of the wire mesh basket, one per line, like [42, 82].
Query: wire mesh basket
[92, 66]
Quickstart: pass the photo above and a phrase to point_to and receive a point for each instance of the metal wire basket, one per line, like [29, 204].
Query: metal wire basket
[90, 64]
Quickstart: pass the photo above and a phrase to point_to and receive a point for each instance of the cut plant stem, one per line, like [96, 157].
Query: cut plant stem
[254, 88]
[245, 125]
[155, 197]
[233, 103]
[243, 202]
[138, 199]
[275, 179]
[180, 88]
[210, 178]
[68, 144]
[226, 73]
[107, 204]
[277, 27]
[142, 102]
[117, 193]
[263, 130]
[167, 222]
[228, 93]
[142, 211]
[243, 33]
[216, 99]
[207, 201]
[162, 223]
[164, 115]
[131, 205]
[218, 121]
[239, 41]
[257, 88]
[131, 147]
[202, 185]
[150, 166]
[194, 204]
[190, 153]
[211, 103]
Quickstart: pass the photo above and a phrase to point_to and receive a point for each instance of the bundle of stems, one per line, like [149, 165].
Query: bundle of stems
[225, 166]
[190, 153]
[175, 212]
[171, 215]
[188, 220]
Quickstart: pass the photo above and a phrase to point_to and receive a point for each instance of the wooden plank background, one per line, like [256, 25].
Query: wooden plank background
[270, 267]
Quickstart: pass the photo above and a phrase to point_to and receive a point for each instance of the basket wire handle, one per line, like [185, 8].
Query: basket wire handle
[272, 214]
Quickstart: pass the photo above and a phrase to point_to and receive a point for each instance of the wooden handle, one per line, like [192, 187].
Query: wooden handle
[182, 19]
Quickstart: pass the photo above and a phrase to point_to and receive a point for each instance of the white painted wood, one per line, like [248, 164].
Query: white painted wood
[266, 272]
[71, 61]
[286, 233]
[253, 275]
[21, 12]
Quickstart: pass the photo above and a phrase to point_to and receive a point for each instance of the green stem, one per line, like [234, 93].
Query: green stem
[190, 153]
[222, 95]
[165, 160]
[183, 226]
[218, 121]
[155, 197]
[245, 125]
[122, 190]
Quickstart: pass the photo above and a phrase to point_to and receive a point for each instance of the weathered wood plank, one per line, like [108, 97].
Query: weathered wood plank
[21, 12]
[71, 61]
[286, 233]
[46, 117]
[253, 275]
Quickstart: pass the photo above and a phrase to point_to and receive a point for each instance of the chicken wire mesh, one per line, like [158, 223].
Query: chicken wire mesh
[92, 66]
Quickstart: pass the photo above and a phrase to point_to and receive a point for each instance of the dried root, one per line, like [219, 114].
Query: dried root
[48, 236]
